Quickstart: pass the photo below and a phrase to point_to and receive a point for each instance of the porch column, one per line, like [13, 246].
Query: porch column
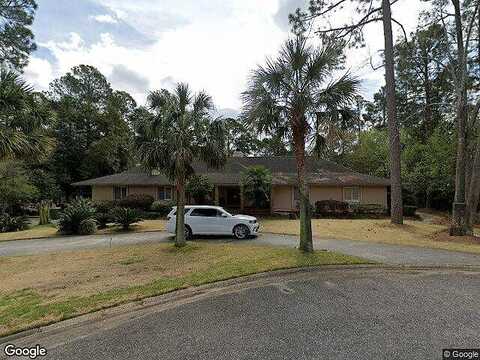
[217, 196]
[242, 198]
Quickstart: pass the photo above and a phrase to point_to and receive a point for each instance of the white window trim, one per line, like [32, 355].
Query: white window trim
[359, 194]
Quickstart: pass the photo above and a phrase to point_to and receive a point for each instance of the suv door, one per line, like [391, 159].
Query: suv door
[205, 221]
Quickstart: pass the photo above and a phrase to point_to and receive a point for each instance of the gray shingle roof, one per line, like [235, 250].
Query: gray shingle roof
[283, 168]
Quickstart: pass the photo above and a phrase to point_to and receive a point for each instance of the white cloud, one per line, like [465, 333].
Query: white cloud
[213, 48]
[108, 19]
[39, 73]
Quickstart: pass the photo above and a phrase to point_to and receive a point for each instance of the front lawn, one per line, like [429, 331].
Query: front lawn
[41, 289]
[412, 233]
[46, 231]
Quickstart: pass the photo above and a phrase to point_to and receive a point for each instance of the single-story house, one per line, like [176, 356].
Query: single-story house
[327, 180]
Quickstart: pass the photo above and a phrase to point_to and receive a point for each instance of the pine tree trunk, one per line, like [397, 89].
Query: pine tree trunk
[306, 243]
[428, 118]
[473, 193]
[180, 225]
[395, 166]
[458, 226]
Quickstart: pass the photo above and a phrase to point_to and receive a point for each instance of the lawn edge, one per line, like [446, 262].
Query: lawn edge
[183, 292]
[60, 236]
[129, 309]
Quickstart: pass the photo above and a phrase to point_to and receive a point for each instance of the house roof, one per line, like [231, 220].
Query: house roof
[283, 168]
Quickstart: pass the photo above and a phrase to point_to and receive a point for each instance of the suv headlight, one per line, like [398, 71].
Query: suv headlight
[252, 221]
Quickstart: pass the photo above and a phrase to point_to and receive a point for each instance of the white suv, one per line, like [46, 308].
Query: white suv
[213, 220]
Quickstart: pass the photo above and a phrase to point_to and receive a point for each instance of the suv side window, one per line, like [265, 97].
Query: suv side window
[204, 212]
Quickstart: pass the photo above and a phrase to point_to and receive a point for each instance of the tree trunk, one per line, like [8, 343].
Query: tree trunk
[395, 166]
[474, 191]
[428, 116]
[474, 182]
[180, 225]
[458, 226]
[306, 243]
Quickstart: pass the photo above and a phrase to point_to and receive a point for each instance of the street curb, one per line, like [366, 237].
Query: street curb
[139, 308]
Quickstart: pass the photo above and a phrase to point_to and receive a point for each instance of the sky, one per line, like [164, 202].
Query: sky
[213, 45]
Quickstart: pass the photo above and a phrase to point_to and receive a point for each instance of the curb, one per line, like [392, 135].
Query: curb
[139, 308]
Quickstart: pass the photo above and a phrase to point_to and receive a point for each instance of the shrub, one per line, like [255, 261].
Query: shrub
[87, 227]
[126, 217]
[103, 218]
[73, 215]
[369, 209]
[163, 207]
[136, 201]
[105, 206]
[327, 207]
[13, 223]
[409, 210]
[55, 214]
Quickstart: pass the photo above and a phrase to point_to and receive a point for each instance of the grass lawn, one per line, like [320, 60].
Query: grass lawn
[414, 233]
[41, 289]
[44, 231]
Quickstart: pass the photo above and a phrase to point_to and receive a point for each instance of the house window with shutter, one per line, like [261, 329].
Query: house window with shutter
[351, 194]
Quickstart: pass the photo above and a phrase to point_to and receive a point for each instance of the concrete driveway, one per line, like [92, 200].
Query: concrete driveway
[322, 314]
[383, 253]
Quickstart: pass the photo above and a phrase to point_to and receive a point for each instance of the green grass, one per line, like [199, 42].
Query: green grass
[194, 265]
[50, 230]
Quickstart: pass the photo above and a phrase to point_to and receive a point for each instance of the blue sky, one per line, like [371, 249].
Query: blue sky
[148, 44]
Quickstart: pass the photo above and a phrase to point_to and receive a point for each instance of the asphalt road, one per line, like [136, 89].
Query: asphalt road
[383, 253]
[326, 314]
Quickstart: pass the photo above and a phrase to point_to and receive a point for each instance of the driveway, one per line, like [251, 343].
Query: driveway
[323, 314]
[383, 253]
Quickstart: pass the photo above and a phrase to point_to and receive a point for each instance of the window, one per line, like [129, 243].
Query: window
[119, 192]
[351, 194]
[205, 212]
[164, 193]
[296, 194]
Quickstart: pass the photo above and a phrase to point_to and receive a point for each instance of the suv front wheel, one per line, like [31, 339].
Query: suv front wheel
[241, 231]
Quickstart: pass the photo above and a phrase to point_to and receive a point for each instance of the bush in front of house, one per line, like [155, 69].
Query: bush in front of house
[13, 223]
[331, 207]
[125, 217]
[103, 218]
[87, 227]
[137, 201]
[74, 214]
[105, 206]
[163, 207]
[368, 209]
[103, 214]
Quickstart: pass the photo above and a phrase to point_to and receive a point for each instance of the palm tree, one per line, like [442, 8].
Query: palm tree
[296, 91]
[181, 132]
[24, 118]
